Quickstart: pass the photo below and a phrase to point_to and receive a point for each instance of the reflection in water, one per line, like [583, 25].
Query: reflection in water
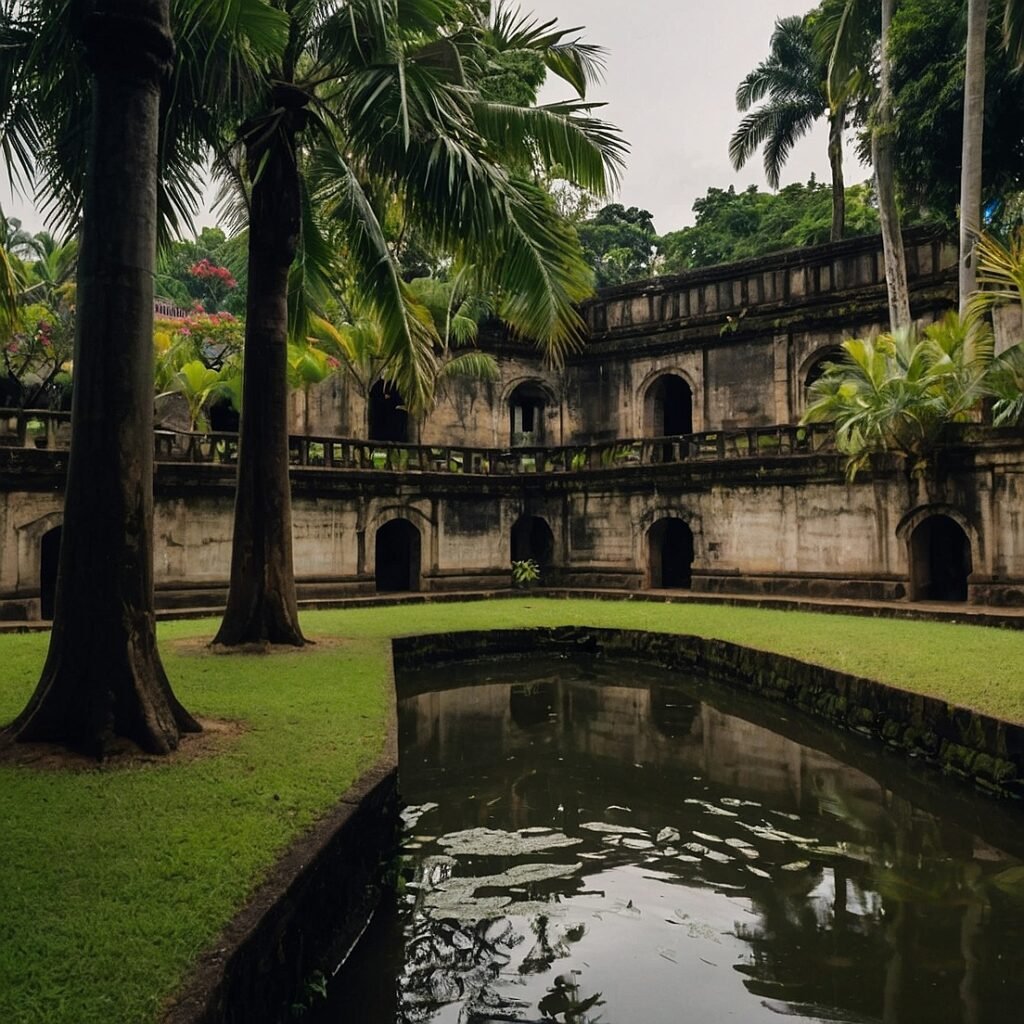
[606, 844]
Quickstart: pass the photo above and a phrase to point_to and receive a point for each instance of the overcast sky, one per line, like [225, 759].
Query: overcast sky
[670, 86]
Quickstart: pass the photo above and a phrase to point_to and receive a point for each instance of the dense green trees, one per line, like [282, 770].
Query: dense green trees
[619, 244]
[733, 225]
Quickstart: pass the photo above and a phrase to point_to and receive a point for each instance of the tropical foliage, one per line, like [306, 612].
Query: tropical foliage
[897, 392]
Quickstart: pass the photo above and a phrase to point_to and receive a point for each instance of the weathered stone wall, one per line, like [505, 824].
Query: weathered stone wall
[780, 524]
[743, 337]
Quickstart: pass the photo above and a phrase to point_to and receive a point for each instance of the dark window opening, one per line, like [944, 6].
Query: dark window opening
[397, 557]
[940, 560]
[817, 369]
[668, 407]
[526, 415]
[389, 421]
[670, 549]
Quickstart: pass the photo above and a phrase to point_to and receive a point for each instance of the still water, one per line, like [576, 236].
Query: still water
[592, 843]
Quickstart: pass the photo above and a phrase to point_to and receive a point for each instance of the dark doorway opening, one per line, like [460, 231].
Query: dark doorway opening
[940, 560]
[526, 416]
[670, 551]
[817, 369]
[532, 538]
[388, 419]
[397, 557]
[668, 407]
[49, 556]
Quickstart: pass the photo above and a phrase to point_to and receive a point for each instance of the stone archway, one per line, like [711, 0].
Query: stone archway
[668, 407]
[388, 418]
[940, 560]
[532, 538]
[397, 557]
[670, 555]
[49, 555]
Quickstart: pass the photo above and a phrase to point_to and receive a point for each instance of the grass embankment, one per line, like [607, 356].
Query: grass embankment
[112, 880]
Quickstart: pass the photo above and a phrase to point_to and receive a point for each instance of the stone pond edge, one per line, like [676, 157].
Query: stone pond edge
[968, 744]
[306, 914]
[264, 958]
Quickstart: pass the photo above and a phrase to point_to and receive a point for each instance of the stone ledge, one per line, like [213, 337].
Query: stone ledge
[965, 743]
[306, 915]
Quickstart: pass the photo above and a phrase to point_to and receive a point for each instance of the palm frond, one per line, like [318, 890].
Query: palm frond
[1013, 31]
[564, 54]
[588, 152]
[407, 330]
[480, 366]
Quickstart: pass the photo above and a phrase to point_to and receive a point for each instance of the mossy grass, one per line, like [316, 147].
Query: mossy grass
[113, 879]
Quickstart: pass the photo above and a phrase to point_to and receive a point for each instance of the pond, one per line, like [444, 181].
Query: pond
[593, 841]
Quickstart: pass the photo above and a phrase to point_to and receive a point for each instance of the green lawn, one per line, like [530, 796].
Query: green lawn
[112, 880]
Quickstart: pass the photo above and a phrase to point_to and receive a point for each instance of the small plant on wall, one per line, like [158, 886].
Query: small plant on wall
[525, 573]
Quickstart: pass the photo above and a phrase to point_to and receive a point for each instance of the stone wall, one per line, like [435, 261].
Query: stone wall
[743, 337]
[774, 524]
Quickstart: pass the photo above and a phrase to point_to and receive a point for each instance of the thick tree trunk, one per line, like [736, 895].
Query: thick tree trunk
[262, 606]
[974, 128]
[885, 185]
[103, 679]
[836, 123]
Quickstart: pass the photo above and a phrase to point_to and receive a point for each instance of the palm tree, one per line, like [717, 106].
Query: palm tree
[843, 28]
[372, 100]
[89, 84]
[970, 164]
[794, 79]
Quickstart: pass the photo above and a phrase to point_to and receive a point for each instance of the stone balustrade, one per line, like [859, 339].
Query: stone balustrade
[51, 430]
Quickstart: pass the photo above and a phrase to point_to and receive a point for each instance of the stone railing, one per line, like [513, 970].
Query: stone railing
[24, 428]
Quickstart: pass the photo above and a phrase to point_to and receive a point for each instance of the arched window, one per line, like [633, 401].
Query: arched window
[49, 555]
[670, 554]
[397, 557]
[532, 538]
[668, 407]
[940, 560]
[389, 420]
[816, 368]
[526, 415]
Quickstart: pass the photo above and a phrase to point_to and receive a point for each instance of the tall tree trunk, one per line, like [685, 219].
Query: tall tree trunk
[836, 123]
[885, 185]
[974, 129]
[262, 606]
[103, 679]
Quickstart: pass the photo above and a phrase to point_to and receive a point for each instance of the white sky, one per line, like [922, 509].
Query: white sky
[670, 85]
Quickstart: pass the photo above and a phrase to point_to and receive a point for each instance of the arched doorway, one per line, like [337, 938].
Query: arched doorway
[397, 557]
[670, 554]
[532, 538]
[49, 555]
[668, 407]
[940, 560]
[389, 420]
[526, 415]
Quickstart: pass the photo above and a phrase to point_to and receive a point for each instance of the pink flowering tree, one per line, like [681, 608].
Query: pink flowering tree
[215, 283]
